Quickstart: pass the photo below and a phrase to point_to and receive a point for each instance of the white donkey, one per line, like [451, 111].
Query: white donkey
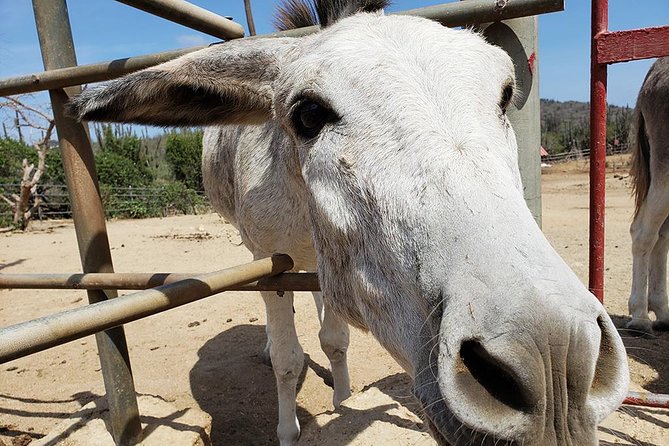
[650, 182]
[379, 152]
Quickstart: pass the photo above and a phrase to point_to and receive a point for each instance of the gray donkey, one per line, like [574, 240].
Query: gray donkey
[378, 152]
[650, 182]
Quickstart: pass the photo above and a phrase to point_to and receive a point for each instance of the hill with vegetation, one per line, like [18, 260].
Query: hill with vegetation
[565, 126]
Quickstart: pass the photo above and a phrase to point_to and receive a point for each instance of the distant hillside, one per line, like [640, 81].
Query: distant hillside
[565, 125]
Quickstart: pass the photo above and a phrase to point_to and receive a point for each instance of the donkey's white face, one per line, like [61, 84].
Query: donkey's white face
[398, 131]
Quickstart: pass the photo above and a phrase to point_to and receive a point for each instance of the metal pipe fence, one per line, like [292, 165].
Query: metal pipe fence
[449, 14]
[33, 336]
[85, 198]
[53, 201]
[609, 47]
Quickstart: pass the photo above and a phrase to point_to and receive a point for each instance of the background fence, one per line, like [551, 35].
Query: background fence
[53, 201]
[574, 155]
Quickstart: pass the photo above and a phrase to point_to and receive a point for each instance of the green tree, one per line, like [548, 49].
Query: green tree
[118, 171]
[120, 162]
[184, 153]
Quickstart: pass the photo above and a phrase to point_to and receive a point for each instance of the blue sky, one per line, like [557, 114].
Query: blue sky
[106, 29]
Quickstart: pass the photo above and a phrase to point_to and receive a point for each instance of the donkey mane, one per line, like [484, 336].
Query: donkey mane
[293, 14]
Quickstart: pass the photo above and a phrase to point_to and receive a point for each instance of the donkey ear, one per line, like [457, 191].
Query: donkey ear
[223, 84]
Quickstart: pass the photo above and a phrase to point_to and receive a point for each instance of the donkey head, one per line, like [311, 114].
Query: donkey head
[398, 128]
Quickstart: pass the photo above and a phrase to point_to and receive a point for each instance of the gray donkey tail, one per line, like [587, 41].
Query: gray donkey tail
[640, 171]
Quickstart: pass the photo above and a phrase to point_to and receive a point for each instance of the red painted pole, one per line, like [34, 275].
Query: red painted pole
[647, 400]
[598, 74]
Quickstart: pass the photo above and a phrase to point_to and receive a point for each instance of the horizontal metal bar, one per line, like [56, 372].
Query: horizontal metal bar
[143, 281]
[647, 399]
[192, 16]
[450, 14]
[633, 44]
[86, 74]
[33, 336]
[473, 12]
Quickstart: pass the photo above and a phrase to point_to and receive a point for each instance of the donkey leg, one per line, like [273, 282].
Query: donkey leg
[657, 280]
[334, 337]
[645, 231]
[287, 361]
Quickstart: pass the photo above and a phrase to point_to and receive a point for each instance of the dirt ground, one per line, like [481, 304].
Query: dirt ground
[206, 354]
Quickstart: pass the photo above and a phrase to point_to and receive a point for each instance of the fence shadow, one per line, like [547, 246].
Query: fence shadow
[10, 264]
[652, 351]
[20, 436]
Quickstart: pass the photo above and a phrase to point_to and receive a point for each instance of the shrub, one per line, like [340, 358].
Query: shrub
[184, 153]
[12, 153]
[176, 198]
[118, 171]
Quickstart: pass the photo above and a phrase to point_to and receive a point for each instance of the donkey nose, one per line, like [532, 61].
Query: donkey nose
[539, 383]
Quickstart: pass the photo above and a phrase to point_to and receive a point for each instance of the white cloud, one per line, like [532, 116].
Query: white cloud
[186, 40]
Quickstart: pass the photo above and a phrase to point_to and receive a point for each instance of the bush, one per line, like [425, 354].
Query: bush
[118, 171]
[176, 198]
[184, 153]
[12, 153]
[171, 199]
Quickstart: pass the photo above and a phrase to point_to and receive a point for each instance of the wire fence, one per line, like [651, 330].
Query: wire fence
[53, 201]
[574, 155]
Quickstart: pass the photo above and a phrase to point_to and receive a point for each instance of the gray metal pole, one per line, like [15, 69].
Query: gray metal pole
[32, 336]
[55, 37]
[192, 16]
[519, 37]
[448, 14]
[143, 281]
[249, 17]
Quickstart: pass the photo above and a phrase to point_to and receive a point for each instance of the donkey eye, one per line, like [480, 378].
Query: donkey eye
[310, 117]
[507, 96]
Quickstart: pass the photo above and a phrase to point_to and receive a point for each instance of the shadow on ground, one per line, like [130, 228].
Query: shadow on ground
[24, 437]
[652, 351]
[237, 389]
[232, 383]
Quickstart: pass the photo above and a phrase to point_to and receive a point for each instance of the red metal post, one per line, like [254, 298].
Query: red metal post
[632, 44]
[647, 399]
[598, 74]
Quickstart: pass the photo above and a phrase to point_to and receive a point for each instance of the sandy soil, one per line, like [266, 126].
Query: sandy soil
[206, 354]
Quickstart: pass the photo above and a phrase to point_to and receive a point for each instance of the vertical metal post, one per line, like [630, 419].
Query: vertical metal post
[598, 77]
[55, 37]
[249, 17]
[520, 39]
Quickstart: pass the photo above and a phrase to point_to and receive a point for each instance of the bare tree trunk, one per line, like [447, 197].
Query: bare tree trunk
[20, 203]
[29, 182]
[18, 126]
[249, 17]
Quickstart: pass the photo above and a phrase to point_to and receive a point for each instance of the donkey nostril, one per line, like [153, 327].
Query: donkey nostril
[495, 376]
[605, 369]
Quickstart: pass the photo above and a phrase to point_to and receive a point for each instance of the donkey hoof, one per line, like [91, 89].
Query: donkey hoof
[339, 398]
[265, 358]
[661, 325]
[639, 328]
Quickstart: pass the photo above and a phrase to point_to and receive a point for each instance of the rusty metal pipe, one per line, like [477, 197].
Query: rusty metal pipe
[598, 78]
[57, 48]
[143, 281]
[33, 336]
[647, 399]
[449, 14]
[192, 16]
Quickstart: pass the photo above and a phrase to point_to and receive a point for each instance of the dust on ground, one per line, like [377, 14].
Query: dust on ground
[207, 354]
